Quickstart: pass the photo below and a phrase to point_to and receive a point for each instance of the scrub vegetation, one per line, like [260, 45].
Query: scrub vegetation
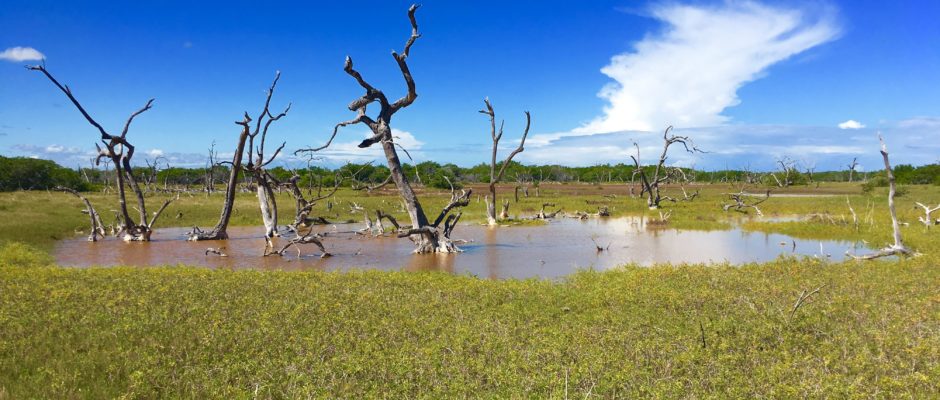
[789, 328]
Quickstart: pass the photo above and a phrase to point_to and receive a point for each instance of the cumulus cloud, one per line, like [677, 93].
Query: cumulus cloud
[155, 153]
[689, 73]
[20, 54]
[52, 149]
[851, 124]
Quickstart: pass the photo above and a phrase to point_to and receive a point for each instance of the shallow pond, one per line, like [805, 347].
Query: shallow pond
[552, 250]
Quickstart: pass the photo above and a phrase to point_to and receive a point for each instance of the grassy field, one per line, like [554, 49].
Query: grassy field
[871, 331]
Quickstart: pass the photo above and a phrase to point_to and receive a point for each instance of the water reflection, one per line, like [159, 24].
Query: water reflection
[554, 250]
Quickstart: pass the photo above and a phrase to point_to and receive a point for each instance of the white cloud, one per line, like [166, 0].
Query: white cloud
[154, 153]
[19, 54]
[754, 146]
[851, 124]
[687, 75]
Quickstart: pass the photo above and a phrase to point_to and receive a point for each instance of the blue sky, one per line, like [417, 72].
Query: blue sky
[749, 81]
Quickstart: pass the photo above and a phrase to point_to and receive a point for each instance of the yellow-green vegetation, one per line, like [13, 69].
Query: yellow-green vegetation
[692, 331]
[871, 330]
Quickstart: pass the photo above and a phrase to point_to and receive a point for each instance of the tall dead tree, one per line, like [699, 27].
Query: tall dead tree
[257, 163]
[898, 248]
[651, 184]
[495, 176]
[256, 170]
[119, 151]
[428, 236]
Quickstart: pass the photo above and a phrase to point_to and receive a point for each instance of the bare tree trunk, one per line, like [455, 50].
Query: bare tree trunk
[495, 176]
[428, 237]
[898, 247]
[220, 231]
[504, 214]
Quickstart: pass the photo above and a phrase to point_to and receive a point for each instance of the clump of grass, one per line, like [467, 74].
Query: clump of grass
[16, 254]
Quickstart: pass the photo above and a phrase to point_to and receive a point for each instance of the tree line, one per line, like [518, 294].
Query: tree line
[22, 173]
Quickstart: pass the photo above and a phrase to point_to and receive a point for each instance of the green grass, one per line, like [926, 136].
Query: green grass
[873, 329]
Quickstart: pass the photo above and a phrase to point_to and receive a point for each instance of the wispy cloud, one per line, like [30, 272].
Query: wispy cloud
[688, 74]
[851, 124]
[739, 146]
[349, 151]
[20, 54]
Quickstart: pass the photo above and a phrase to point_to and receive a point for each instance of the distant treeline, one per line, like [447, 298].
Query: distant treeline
[21, 173]
[26, 173]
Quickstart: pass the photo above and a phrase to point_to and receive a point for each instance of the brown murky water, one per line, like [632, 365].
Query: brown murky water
[550, 251]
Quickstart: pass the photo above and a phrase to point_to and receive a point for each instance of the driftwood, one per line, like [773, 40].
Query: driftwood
[97, 228]
[217, 251]
[743, 201]
[497, 175]
[898, 248]
[547, 215]
[307, 238]
[428, 237]
[927, 220]
[119, 151]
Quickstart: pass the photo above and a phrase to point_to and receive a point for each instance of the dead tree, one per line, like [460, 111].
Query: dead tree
[651, 185]
[97, 228]
[257, 163]
[898, 247]
[120, 152]
[787, 168]
[852, 167]
[302, 219]
[683, 179]
[429, 237]
[219, 232]
[926, 219]
[495, 176]
[210, 169]
[810, 168]
[742, 202]
[302, 227]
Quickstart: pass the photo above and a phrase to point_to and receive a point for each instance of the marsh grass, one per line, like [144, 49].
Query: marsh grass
[872, 330]
[689, 331]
